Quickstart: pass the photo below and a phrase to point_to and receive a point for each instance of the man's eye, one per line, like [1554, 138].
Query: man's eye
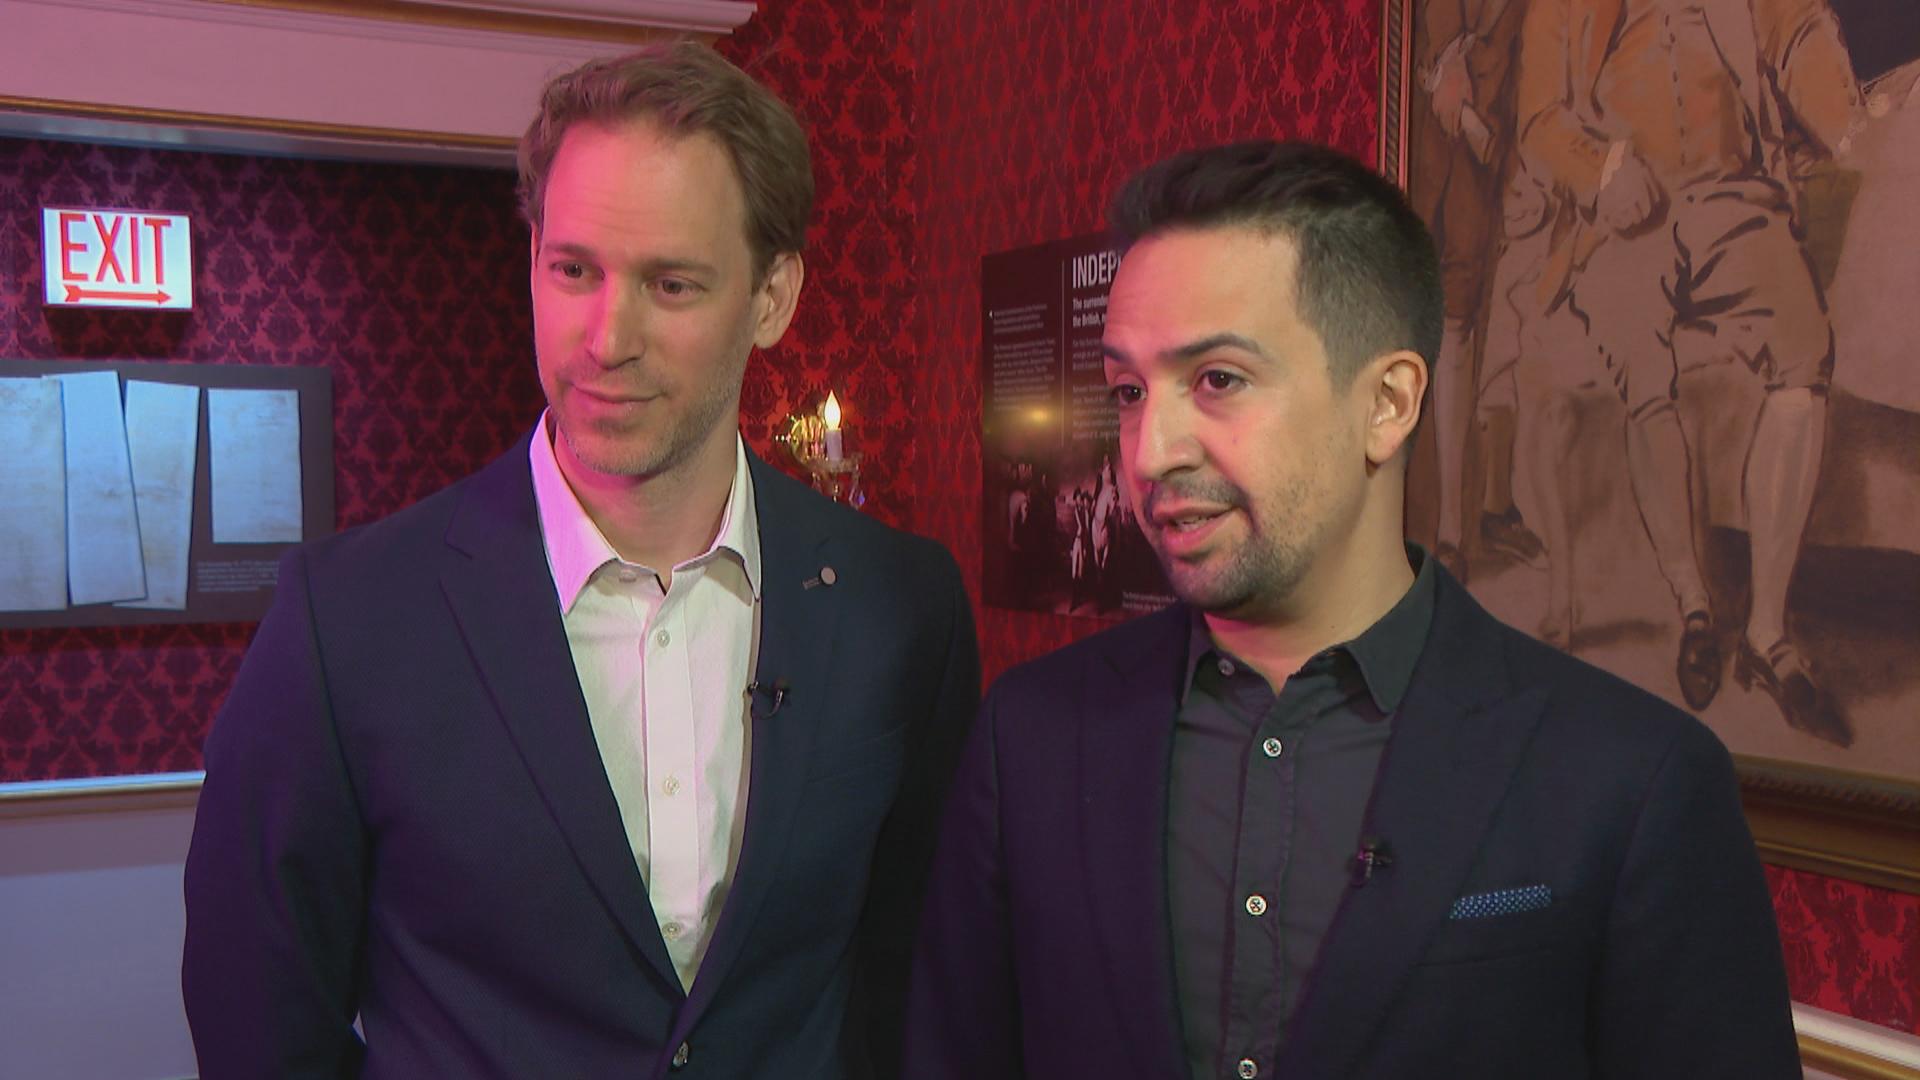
[674, 287]
[1125, 394]
[1217, 380]
[572, 271]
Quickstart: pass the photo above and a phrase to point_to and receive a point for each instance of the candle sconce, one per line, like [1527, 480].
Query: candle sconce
[818, 443]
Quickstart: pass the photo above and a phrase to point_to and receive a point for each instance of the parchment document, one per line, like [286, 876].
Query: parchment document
[33, 497]
[254, 460]
[163, 433]
[103, 530]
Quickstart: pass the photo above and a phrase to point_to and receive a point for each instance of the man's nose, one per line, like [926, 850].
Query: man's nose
[1163, 439]
[620, 334]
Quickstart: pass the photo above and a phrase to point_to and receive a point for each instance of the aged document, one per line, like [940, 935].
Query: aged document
[103, 531]
[33, 497]
[254, 461]
[163, 434]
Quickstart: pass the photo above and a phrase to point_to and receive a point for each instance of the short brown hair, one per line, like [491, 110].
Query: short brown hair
[1368, 279]
[687, 89]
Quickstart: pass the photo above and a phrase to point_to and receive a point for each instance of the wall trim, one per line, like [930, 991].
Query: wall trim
[1842, 824]
[1854, 1049]
[453, 21]
[180, 129]
[454, 81]
[113, 794]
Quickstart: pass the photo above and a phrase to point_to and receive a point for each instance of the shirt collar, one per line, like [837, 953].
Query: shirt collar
[1386, 652]
[576, 547]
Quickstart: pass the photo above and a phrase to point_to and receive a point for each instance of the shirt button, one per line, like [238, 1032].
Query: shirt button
[661, 638]
[1226, 667]
[671, 785]
[681, 1056]
[1271, 747]
[1256, 905]
[672, 930]
[1248, 1069]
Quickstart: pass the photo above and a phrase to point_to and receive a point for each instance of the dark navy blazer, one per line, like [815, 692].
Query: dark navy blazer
[1045, 951]
[405, 817]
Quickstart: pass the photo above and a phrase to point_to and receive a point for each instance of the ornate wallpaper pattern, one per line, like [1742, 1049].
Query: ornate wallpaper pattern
[1850, 948]
[847, 69]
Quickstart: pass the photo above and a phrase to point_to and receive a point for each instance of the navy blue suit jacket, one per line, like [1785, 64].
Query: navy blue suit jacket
[405, 816]
[1045, 951]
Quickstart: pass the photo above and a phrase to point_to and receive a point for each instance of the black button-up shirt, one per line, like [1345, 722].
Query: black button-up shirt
[1266, 800]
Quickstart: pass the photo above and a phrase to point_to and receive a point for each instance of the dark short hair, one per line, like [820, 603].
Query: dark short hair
[687, 89]
[1368, 280]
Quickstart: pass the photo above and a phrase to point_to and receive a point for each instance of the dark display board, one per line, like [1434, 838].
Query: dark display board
[227, 579]
[1059, 535]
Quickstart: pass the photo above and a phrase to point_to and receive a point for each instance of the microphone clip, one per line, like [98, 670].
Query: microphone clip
[1375, 854]
[765, 699]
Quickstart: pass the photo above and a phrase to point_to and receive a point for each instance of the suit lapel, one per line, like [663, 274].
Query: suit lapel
[798, 612]
[1457, 738]
[1126, 740]
[502, 597]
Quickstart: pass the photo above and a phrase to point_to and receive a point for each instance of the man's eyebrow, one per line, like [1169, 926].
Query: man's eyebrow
[571, 250]
[1192, 350]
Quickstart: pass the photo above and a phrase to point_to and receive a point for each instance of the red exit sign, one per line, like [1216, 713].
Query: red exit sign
[117, 258]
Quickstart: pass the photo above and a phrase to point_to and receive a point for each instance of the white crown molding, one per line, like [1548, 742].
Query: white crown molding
[694, 16]
[580, 20]
[281, 25]
[429, 80]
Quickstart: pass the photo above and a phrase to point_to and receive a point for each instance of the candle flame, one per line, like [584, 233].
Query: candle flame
[830, 412]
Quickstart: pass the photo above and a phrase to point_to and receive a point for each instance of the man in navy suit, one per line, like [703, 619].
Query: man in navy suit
[1325, 818]
[623, 756]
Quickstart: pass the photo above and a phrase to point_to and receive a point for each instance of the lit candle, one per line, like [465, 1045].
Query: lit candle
[836, 447]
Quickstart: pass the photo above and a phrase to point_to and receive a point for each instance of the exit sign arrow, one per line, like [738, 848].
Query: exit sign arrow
[76, 295]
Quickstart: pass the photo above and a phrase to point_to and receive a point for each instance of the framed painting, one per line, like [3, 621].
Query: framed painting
[1675, 420]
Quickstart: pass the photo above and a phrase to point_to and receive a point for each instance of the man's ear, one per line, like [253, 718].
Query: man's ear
[1397, 384]
[776, 299]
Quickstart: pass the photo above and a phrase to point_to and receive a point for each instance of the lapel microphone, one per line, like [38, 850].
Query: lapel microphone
[1374, 854]
[765, 699]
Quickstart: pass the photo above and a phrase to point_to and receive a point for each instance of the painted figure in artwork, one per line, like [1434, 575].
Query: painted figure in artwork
[1661, 144]
[1464, 159]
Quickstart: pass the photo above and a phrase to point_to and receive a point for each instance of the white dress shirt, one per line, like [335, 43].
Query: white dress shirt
[664, 674]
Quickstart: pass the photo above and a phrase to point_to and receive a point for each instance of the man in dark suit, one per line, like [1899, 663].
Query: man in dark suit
[623, 756]
[1325, 818]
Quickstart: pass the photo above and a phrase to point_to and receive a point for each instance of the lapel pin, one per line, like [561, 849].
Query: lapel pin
[825, 577]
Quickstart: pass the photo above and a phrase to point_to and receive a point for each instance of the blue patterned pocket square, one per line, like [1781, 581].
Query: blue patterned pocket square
[1502, 902]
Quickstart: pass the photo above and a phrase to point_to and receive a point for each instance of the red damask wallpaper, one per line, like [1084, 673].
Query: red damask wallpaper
[1850, 948]
[847, 68]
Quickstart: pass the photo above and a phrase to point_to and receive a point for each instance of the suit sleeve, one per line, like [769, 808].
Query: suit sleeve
[903, 853]
[1692, 982]
[276, 874]
[963, 1019]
